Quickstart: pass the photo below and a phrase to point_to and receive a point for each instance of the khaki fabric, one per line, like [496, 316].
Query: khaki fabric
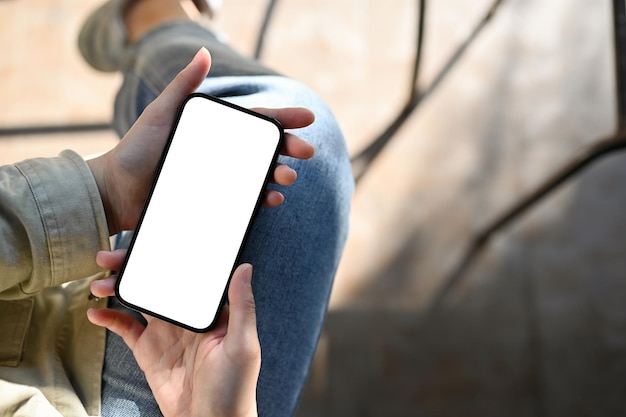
[52, 223]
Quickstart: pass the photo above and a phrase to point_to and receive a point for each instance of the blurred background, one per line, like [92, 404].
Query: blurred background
[536, 324]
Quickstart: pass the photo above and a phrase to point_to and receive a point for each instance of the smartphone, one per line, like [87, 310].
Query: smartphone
[208, 188]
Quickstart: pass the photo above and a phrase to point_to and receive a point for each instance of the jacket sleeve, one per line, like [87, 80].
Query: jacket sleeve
[52, 223]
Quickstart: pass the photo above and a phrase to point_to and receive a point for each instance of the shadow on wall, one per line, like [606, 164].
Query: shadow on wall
[537, 327]
[541, 331]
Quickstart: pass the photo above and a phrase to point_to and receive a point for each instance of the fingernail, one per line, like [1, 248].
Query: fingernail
[202, 50]
[247, 274]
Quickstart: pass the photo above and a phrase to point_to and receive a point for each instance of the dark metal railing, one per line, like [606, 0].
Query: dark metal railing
[595, 151]
[362, 161]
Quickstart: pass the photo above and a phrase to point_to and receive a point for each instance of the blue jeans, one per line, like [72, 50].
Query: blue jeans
[295, 248]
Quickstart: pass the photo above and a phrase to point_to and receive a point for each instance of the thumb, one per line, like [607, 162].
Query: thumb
[162, 111]
[242, 331]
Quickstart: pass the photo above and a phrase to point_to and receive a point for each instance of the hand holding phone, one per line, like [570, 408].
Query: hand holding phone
[195, 221]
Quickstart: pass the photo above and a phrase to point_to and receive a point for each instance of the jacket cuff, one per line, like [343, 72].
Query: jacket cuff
[71, 214]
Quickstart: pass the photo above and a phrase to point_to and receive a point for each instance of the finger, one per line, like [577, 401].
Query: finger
[290, 117]
[122, 324]
[162, 111]
[104, 287]
[297, 148]
[242, 332]
[273, 198]
[111, 260]
[284, 175]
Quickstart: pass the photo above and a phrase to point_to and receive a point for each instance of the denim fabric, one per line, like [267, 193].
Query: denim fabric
[160, 54]
[295, 248]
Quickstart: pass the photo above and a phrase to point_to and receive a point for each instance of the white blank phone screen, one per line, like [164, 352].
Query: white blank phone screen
[200, 208]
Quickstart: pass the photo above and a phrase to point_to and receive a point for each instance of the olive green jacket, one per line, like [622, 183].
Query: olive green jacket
[52, 223]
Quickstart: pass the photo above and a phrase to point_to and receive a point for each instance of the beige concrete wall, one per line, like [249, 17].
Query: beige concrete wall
[538, 326]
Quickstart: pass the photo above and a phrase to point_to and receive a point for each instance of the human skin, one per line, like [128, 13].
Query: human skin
[192, 374]
[125, 173]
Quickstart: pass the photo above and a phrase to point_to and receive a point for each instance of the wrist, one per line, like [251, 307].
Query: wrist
[97, 168]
